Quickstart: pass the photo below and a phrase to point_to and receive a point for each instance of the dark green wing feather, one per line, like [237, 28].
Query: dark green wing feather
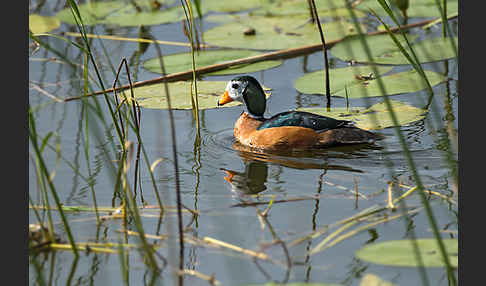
[304, 119]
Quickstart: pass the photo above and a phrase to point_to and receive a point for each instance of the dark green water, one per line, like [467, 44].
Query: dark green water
[326, 179]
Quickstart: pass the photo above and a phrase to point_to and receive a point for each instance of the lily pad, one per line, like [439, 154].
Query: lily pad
[122, 14]
[429, 50]
[397, 83]
[370, 279]
[401, 253]
[405, 114]
[313, 82]
[325, 8]
[126, 14]
[42, 24]
[416, 8]
[153, 96]
[384, 50]
[228, 6]
[183, 62]
[275, 33]
[367, 85]
[352, 49]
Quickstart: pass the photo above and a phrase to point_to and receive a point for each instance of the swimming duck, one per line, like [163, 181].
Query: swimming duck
[290, 130]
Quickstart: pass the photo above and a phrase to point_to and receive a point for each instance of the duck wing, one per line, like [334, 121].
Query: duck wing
[304, 119]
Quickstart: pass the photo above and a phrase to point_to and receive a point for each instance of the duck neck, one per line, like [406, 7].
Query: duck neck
[255, 101]
[254, 116]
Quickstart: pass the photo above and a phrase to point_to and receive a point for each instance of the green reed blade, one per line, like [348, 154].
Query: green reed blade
[33, 139]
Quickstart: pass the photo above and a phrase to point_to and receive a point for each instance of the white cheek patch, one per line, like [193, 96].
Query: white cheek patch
[236, 94]
[228, 86]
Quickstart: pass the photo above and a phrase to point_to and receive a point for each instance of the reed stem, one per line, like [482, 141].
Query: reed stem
[324, 51]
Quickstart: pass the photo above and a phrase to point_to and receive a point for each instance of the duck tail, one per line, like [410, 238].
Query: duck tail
[346, 136]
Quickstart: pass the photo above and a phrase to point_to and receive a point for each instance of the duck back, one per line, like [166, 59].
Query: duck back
[304, 119]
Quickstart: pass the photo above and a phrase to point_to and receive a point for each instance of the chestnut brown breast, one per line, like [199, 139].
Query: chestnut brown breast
[285, 137]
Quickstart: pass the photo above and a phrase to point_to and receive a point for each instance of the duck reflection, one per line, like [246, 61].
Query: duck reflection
[309, 159]
[253, 179]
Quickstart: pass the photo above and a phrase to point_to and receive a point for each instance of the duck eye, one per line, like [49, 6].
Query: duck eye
[235, 86]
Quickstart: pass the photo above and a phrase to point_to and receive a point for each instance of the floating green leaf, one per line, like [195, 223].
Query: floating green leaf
[384, 50]
[183, 62]
[325, 8]
[397, 83]
[362, 117]
[401, 253]
[140, 12]
[416, 8]
[122, 14]
[229, 6]
[42, 24]
[429, 50]
[370, 279]
[313, 82]
[275, 33]
[153, 96]
[352, 49]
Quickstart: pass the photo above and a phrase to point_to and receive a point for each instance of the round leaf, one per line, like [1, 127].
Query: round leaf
[429, 50]
[380, 45]
[153, 96]
[397, 83]
[228, 6]
[314, 82]
[384, 50]
[401, 253]
[126, 14]
[370, 279]
[122, 14]
[183, 62]
[325, 8]
[275, 33]
[416, 8]
[367, 86]
[42, 24]
[404, 113]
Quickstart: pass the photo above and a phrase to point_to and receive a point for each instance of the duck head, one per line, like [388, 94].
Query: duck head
[245, 89]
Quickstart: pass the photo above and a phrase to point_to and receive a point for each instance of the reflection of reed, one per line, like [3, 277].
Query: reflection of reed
[314, 228]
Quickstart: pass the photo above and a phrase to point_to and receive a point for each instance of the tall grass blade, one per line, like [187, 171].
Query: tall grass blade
[134, 124]
[45, 199]
[50, 49]
[445, 26]
[86, 148]
[191, 35]
[133, 209]
[413, 61]
[403, 144]
[425, 202]
[123, 263]
[176, 166]
[80, 25]
[33, 140]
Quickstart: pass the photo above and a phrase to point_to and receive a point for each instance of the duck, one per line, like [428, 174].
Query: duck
[289, 130]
